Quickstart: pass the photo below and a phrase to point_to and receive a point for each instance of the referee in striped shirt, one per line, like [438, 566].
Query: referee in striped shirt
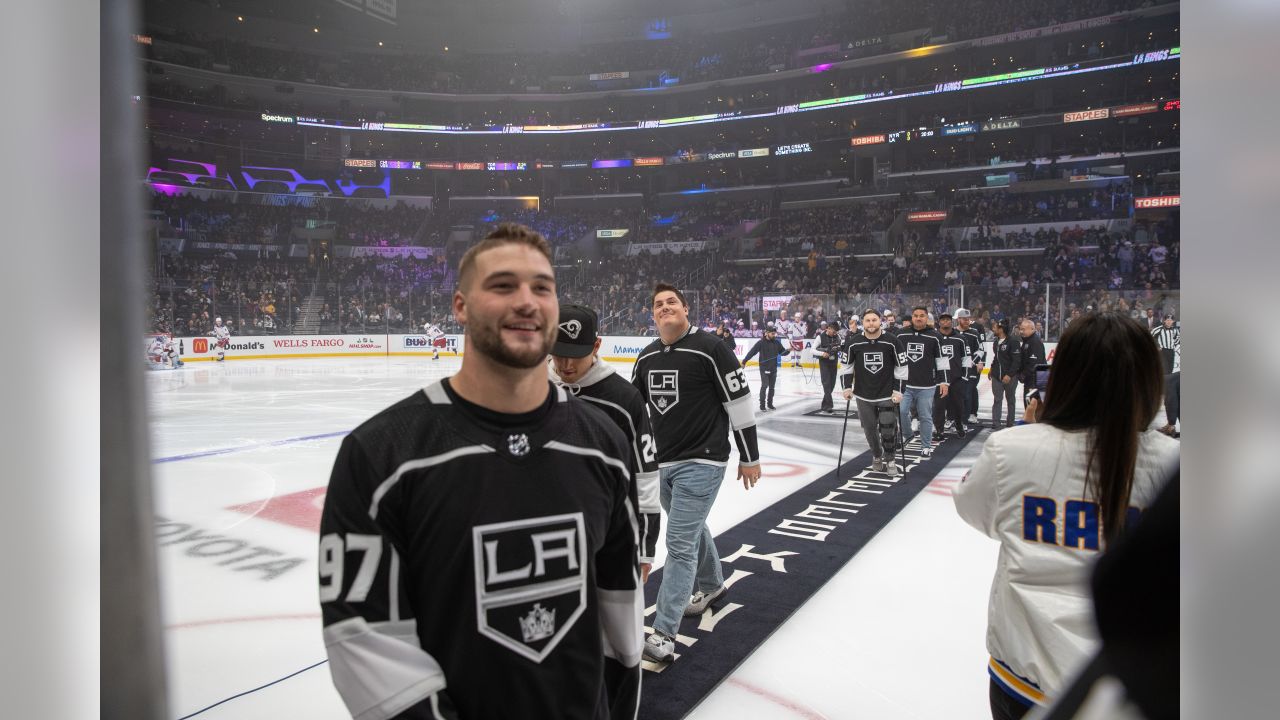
[1169, 339]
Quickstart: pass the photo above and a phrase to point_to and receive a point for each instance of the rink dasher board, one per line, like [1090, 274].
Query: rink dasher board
[613, 348]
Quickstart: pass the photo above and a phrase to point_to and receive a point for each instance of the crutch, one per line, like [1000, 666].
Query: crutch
[843, 428]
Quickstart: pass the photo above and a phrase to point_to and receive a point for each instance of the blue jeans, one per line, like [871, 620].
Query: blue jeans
[687, 493]
[923, 399]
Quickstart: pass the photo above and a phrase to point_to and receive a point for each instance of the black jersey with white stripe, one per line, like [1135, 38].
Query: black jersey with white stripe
[480, 565]
[871, 367]
[605, 389]
[976, 335]
[697, 394]
[955, 349]
[921, 352]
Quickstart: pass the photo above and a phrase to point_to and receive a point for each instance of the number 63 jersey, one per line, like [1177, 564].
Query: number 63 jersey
[697, 393]
[481, 565]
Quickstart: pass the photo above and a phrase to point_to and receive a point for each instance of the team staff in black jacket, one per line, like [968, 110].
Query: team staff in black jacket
[697, 394]
[770, 349]
[870, 373]
[926, 369]
[976, 336]
[1032, 354]
[726, 336]
[956, 350]
[1006, 368]
[576, 368]
[828, 352]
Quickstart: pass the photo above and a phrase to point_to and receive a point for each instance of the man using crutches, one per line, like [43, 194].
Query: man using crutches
[871, 373]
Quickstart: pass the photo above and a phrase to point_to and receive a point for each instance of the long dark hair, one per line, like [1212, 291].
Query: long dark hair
[1106, 378]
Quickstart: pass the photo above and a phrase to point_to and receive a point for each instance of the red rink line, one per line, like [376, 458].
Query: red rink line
[232, 621]
[791, 705]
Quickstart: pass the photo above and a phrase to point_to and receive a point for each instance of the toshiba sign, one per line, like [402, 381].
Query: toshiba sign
[1099, 114]
[869, 140]
[1161, 201]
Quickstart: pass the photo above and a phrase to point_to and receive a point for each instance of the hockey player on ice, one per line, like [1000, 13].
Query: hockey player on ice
[221, 338]
[436, 336]
[796, 331]
[155, 353]
[171, 355]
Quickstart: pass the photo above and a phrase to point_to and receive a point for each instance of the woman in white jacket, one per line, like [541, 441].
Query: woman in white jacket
[1055, 493]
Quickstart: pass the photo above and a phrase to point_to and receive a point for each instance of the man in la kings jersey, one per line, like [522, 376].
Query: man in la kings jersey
[698, 395]
[576, 367]
[478, 539]
[871, 373]
[920, 351]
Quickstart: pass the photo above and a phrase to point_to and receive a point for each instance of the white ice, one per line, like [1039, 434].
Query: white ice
[897, 633]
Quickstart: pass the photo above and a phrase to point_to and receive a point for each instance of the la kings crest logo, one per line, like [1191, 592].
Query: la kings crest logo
[873, 361]
[531, 581]
[948, 351]
[915, 351]
[664, 389]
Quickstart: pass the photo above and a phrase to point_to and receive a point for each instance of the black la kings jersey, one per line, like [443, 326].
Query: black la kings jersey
[955, 349]
[871, 366]
[696, 391]
[973, 339]
[479, 565]
[921, 352]
[605, 389]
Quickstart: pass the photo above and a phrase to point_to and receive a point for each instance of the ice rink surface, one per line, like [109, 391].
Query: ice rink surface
[241, 456]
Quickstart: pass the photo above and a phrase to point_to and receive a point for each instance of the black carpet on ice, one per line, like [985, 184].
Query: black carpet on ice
[821, 534]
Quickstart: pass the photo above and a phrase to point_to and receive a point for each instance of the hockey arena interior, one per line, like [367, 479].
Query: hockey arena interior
[926, 203]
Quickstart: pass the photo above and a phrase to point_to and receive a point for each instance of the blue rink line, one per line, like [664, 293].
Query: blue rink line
[251, 446]
[254, 690]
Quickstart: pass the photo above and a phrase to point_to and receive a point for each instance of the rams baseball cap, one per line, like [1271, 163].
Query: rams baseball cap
[577, 335]
[962, 313]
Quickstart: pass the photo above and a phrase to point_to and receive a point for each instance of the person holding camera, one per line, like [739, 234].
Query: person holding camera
[827, 351]
[726, 336]
[1056, 492]
[1006, 368]
[771, 351]
[871, 373]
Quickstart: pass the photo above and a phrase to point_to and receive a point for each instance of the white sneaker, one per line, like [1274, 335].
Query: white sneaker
[973, 420]
[877, 465]
[659, 648]
[926, 452]
[891, 468]
[699, 601]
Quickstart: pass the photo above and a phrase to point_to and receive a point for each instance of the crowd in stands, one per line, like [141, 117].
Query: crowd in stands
[253, 297]
[1002, 207]
[689, 58]
[832, 259]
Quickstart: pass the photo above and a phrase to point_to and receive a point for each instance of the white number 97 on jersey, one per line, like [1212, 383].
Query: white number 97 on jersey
[736, 380]
[333, 556]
